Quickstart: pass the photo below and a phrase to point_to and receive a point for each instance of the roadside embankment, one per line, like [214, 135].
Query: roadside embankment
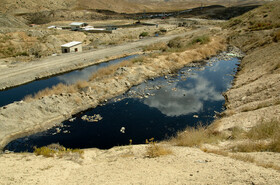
[21, 73]
[27, 117]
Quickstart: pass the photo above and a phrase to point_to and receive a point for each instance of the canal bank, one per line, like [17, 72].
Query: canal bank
[24, 118]
[158, 108]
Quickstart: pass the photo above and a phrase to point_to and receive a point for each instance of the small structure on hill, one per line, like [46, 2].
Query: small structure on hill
[71, 47]
[75, 26]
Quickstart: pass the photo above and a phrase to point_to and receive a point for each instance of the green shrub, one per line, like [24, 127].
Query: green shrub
[176, 43]
[21, 54]
[204, 39]
[144, 34]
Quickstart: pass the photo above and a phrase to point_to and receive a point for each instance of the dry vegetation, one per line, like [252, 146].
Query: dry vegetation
[243, 157]
[56, 150]
[179, 44]
[197, 136]
[158, 63]
[264, 137]
[58, 89]
[156, 150]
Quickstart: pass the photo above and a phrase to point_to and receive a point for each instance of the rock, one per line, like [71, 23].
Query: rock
[72, 119]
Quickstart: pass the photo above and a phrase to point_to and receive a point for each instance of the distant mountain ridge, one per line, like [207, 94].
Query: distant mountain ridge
[121, 6]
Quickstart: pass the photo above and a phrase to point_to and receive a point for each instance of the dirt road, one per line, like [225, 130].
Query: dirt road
[27, 72]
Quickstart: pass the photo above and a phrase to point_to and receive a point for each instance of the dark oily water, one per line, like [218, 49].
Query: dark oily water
[18, 93]
[157, 109]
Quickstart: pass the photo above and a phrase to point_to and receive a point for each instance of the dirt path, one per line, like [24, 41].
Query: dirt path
[27, 72]
[129, 165]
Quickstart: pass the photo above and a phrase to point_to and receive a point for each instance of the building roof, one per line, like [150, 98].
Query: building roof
[77, 23]
[71, 44]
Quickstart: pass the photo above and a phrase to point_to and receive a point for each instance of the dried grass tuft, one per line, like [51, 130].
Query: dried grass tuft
[197, 136]
[155, 150]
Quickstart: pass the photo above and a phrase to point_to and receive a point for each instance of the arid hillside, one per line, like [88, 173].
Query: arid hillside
[253, 102]
[121, 6]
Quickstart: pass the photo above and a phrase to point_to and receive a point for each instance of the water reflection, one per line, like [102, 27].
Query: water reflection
[158, 108]
[84, 74]
[183, 98]
[18, 93]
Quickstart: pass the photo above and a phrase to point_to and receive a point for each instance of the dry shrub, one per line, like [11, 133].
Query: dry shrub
[204, 39]
[215, 151]
[156, 46]
[139, 60]
[250, 146]
[265, 130]
[242, 157]
[53, 150]
[197, 136]
[110, 70]
[262, 137]
[173, 57]
[58, 89]
[248, 158]
[155, 150]
[277, 36]
[28, 98]
[176, 43]
[237, 133]
[82, 84]
[103, 72]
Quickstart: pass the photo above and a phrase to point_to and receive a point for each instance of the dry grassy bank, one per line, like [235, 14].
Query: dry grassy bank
[173, 57]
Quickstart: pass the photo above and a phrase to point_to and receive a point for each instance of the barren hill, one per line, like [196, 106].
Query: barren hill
[121, 6]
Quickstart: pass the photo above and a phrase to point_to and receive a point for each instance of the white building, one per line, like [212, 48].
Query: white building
[75, 26]
[71, 47]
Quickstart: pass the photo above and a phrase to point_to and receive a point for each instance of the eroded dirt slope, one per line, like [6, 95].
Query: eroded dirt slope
[254, 97]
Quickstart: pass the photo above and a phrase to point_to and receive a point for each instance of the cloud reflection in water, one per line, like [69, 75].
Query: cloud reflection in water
[190, 95]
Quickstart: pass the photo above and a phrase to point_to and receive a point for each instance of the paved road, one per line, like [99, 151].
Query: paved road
[27, 72]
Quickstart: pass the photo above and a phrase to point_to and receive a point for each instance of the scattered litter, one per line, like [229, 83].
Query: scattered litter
[94, 118]
[72, 119]
[58, 130]
[195, 116]
[122, 130]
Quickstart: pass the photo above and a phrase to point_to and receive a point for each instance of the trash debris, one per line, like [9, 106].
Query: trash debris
[122, 130]
[94, 118]
[72, 119]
